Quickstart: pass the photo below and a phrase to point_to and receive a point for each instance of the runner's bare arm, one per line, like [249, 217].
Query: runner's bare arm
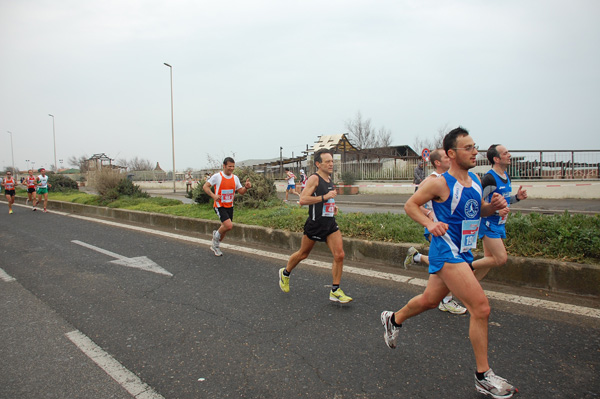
[244, 189]
[307, 198]
[432, 190]
[206, 187]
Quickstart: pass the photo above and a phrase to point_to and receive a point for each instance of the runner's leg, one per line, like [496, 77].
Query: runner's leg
[459, 278]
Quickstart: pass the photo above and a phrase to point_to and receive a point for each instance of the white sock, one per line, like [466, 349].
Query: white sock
[417, 258]
[447, 299]
[218, 235]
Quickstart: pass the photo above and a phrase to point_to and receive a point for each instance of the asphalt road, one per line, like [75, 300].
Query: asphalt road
[221, 327]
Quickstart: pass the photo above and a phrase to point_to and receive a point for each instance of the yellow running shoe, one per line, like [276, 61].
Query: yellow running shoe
[339, 296]
[284, 281]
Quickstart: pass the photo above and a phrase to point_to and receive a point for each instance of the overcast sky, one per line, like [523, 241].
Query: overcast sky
[252, 76]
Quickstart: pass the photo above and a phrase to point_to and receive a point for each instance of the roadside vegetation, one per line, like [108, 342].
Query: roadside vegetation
[567, 237]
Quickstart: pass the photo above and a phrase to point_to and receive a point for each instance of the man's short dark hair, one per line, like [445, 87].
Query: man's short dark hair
[287, 169]
[452, 136]
[436, 155]
[493, 152]
[319, 154]
[227, 160]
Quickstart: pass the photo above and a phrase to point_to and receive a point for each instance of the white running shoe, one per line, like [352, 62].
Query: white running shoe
[216, 250]
[391, 331]
[495, 386]
[452, 306]
[410, 256]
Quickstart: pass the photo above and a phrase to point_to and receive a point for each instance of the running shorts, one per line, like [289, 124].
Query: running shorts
[224, 213]
[492, 230]
[319, 231]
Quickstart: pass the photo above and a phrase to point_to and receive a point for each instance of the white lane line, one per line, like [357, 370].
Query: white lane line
[517, 299]
[6, 277]
[129, 381]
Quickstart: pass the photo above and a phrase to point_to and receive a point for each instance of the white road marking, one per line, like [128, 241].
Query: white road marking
[138, 262]
[6, 277]
[128, 380]
[517, 299]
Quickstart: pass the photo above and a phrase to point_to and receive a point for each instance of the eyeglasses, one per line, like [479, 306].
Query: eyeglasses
[468, 148]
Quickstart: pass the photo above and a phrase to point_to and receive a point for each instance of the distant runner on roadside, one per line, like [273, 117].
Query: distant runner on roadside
[321, 226]
[9, 185]
[291, 185]
[226, 185]
[303, 179]
[42, 189]
[29, 182]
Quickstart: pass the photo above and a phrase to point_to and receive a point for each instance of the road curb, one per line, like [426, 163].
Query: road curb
[553, 275]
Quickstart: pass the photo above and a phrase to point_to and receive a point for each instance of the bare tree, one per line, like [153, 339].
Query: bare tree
[363, 135]
[79, 163]
[431, 143]
[139, 164]
[384, 137]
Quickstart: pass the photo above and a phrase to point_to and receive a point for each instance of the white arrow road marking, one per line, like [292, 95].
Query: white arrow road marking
[6, 277]
[139, 262]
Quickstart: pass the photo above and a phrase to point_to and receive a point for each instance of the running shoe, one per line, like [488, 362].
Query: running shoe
[410, 256]
[452, 306]
[11, 211]
[284, 281]
[34, 209]
[215, 240]
[495, 386]
[216, 250]
[45, 210]
[339, 296]
[391, 331]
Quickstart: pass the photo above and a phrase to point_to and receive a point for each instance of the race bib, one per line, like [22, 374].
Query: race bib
[227, 196]
[468, 238]
[329, 208]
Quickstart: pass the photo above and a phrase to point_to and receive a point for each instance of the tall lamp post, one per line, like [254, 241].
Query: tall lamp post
[172, 124]
[54, 138]
[13, 155]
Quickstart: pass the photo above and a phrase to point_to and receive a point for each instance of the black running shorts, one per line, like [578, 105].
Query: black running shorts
[319, 231]
[224, 213]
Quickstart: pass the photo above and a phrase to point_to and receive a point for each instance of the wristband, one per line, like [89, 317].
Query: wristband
[322, 198]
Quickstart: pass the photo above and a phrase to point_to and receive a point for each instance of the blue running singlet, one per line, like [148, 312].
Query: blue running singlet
[461, 211]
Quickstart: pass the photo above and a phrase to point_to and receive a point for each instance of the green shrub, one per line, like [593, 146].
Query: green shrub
[126, 187]
[348, 178]
[199, 196]
[262, 194]
[61, 183]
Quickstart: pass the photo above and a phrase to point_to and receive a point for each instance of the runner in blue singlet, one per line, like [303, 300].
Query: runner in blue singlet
[492, 229]
[458, 205]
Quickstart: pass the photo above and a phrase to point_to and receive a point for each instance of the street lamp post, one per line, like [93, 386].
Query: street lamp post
[12, 155]
[27, 160]
[172, 125]
[54, 138]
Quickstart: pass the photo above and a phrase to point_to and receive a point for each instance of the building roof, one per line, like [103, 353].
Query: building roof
[338, 142]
